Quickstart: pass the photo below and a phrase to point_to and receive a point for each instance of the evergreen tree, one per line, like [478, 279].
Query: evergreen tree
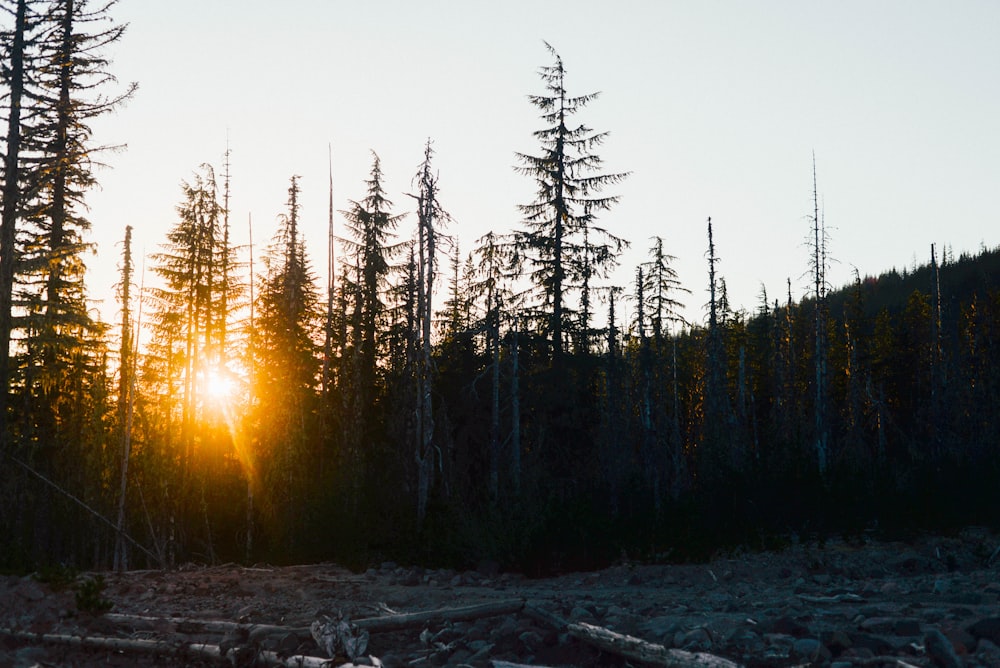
[562, 244]
[187, 322]
[660, 284]
[18, 46]
[287, 367]
[371, 225]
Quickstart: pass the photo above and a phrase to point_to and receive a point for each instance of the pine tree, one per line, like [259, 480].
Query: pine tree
[561, 242]
[493, 256]
[287, 365]
[18, 43]
[371, 225]
[660, 284]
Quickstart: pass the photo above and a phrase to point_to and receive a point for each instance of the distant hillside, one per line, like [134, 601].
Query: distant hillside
[959, 279]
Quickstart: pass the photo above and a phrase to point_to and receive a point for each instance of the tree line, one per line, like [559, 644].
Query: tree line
[437, 406]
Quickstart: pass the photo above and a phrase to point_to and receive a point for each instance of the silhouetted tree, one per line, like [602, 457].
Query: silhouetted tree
[563, 246]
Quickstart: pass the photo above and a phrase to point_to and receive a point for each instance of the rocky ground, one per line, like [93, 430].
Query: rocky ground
[932, 601]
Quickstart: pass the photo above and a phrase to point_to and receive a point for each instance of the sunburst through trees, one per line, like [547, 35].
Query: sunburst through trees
[236, 412]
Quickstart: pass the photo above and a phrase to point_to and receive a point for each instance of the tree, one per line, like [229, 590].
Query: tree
[493, 257]
[718, 417]
[561, 242]
[287, 368]
[189, 268]
[820, 360]
[126, 381]
[62, 91]
[371, 224]
[660, 284]
[188, 320]
[430, 215]
[17, 42]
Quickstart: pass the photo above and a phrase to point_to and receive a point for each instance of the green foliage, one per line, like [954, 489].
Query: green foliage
[89, 597]
[57, 576]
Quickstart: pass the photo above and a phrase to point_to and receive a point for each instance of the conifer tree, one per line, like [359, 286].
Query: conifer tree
[660, 284]
[371, 223]
[562, 244]
[18, 44]
[287, 368]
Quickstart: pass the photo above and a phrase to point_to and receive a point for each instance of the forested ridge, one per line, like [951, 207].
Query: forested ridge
[440, 400]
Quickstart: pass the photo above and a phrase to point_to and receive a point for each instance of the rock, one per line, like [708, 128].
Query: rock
[788, 626]
[481, 654]
[941, 650]
[877, 624]
[988, 650]
[836, 641]
[459, 656]
[532, 640]
[870, 642]
[476, 645]
[988, 627]
[911, 563]
[659, 628]
[695, 640]
[29, 589]
[811, 650]
[745, 640]
[906, 627]
[507, 627]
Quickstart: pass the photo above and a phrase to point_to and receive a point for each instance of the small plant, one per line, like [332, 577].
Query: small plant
[58, 577]
[88, 596]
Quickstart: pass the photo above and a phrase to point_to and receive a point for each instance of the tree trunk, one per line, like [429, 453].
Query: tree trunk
[8, 217]
[124, 399]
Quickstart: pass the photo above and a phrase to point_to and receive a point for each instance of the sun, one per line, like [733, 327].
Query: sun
[219, 385]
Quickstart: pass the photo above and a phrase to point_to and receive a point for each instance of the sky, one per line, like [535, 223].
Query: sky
[716, 108]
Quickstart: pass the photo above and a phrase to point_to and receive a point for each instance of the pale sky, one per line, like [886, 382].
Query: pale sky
[715, 107]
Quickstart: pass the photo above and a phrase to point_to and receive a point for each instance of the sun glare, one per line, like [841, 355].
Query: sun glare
[219, 385]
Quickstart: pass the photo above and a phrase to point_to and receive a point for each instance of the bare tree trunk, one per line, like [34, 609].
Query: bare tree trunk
[428, 211]
[515, 414]
[331, 271]
[8, 217]
[125, 398]
[494, 343]
[248, 469]
[819, 287]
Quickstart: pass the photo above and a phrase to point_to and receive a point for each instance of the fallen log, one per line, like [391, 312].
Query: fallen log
[415, 619]
[543, 616]
[647, 652]
[161, 647]
[373, 624]
[180, 650]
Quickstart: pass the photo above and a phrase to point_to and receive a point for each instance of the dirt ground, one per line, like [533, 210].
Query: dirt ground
[931, 601]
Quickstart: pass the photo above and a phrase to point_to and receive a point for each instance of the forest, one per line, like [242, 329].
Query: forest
[442, 406]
